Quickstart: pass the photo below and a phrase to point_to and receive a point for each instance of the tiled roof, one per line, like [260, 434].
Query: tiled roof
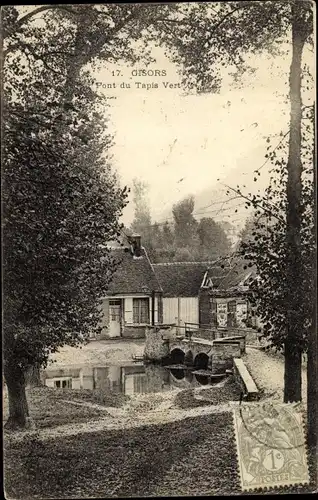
[180, 279]
[228, 277]
[184, 279]
[133, 275]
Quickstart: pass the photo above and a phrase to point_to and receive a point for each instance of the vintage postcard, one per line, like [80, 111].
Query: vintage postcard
[159, 249]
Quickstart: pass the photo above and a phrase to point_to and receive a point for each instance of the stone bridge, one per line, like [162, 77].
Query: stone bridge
[216, 355]
[194, 352]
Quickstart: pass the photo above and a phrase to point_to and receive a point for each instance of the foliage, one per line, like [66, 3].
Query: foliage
[61, 200]
[212, 238]
[59, 212]
[142, 217]
[263, 244]
[207, 39]
[229, 33]
[185, 239]
[185, 225]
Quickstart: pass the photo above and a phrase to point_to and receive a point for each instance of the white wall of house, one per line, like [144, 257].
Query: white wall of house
[127, 309]
[180, 310]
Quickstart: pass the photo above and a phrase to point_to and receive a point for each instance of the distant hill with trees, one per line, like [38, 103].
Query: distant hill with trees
[182, 237]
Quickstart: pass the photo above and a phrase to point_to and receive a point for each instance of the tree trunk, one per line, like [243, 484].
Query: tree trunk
[18, 405]
[312, 369]
[33, 376]
[292, 378]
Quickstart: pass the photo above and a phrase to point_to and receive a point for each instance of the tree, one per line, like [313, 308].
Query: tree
[263, 244]
[167, 234]
[142, 219]
[213, 240]
[226, 33]
[202, 38]
[61, 206]
[246, 234]
[59, 212]
[185, 225]
[61, 202]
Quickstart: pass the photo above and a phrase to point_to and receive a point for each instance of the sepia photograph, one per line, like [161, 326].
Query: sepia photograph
[159, 247]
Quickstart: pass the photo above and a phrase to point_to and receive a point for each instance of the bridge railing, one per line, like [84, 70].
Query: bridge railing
[200, 331]
[208, 333]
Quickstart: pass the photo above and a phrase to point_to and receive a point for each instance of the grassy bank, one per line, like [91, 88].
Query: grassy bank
[190, 457]
[48, 407]
[179, 458]
[209, 396]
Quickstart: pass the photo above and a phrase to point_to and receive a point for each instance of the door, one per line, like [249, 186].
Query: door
[114, 318]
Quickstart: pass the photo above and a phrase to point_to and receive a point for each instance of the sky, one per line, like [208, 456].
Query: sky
[182, 144]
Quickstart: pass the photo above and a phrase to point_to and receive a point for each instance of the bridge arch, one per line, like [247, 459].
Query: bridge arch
[201, 361]
[177, 356]
[202, 379]
[188, 358]
[177, 374]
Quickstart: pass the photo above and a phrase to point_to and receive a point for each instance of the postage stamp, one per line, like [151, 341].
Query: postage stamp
[271, 445]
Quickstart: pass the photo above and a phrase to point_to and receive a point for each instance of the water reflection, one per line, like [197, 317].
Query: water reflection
[202, 379]
[178, 374]
[128, 379]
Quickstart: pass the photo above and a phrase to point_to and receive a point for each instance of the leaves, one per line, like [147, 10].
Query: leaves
[263, 243]
[61, 200]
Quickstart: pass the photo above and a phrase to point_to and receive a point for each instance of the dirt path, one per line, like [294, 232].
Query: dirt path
[268, 373]
[114, 352]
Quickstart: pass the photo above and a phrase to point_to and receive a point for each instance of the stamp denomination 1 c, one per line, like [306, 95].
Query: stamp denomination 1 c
[270, 445]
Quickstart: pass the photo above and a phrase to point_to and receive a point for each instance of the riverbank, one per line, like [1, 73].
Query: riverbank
[133, 446]
[101, 444]
[183, 458]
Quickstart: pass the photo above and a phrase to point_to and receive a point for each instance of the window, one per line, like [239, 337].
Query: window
[140, 311]
[63, 383]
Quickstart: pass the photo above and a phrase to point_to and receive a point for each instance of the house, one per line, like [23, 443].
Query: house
[181, 282]
[134, 296]
[224, 296]
[210, 294]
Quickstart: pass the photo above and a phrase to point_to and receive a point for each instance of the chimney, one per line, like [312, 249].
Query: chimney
[136, 245]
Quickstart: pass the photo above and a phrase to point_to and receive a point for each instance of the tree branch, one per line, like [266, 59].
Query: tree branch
[224, 19]
[24, 19]
[266, 210]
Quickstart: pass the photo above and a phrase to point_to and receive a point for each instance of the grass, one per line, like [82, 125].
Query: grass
[212, 396]
[96, 396]
[180, 458]
[191, 457]
[48, 408]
